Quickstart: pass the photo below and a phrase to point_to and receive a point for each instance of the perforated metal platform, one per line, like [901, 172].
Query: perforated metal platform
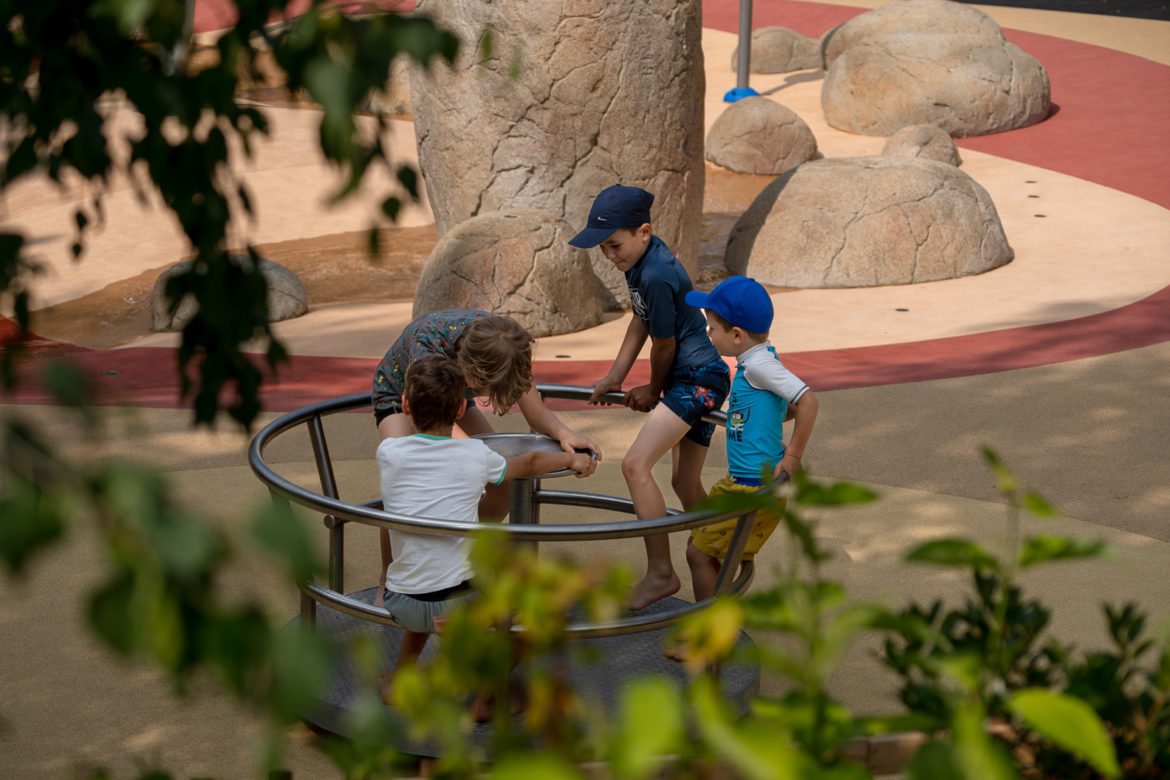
[612, 661]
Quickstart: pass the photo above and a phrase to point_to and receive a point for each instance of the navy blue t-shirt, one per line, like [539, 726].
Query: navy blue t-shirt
[658, 285]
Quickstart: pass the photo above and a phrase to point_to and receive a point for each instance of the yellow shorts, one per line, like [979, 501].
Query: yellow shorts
[713, 539]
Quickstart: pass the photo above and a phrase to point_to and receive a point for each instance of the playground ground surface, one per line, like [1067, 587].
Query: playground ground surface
[1057, 361]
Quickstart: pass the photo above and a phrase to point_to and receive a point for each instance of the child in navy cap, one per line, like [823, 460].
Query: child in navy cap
[688, 379]
[763, 394]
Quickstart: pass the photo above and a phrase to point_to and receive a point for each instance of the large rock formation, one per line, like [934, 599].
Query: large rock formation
[925, 141]
[930, 17]
[967, 85]
[571, 98]
[780, 50]
[867, 221]
[287, 297]
[517, 263]
[758, 135]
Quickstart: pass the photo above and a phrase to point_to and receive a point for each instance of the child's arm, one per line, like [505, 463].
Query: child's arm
[628, 352]
[541, 420]
[537, 464]
[644, 397]
[805, 417]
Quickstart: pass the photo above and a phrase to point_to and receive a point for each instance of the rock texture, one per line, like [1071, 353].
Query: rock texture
[758, 135]
[932, 17]
[867, 221]
[967, 85]
[286, 295]
[572, 98]
[925, 141]
[517, 263]
[780, 50]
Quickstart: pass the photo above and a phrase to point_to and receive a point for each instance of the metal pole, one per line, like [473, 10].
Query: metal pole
[743, 60]
[744, 63]
[335, 525]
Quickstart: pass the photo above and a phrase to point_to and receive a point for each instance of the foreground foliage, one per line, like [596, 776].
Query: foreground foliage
[65, 64]
[998, 696]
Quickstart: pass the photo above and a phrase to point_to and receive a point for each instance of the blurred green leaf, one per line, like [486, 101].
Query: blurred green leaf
[1037, 505]
[391, 206]
[32, 521]
[961, 667]
[935, 760]
[1068, 722]
[303, 666]
[1005, 480]
[709, 634]
[110, 614]
[650, 726]
[408, 177]
[979, 756]
[284, 534]
[1039, 549]
[186, 547]
[810, 493]
[953, 552]
[543, 765]
[69, 386]
[756, 752]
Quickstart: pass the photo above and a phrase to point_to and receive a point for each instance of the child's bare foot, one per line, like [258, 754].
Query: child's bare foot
[652, 588]
[676, 651]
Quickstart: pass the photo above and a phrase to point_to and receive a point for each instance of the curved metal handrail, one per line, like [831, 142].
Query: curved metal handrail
[337, 512]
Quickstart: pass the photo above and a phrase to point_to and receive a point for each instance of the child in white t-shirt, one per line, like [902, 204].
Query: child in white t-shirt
[431, 475]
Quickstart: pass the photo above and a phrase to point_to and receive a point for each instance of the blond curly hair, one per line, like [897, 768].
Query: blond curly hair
[495, 354]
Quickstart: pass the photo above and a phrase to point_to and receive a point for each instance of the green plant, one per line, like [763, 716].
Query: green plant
[63, 63]
[990, 658]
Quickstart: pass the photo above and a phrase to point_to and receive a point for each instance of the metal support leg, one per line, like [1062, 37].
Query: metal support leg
[308, 611]
[734, 556]
[329, 488]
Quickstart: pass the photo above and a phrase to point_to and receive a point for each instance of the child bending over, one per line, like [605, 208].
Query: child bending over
[494, 355]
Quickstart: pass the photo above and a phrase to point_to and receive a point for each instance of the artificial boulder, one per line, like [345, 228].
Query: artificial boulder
[966, 85]
[571, 98]
[780, 50]
[868, 221]
[925, 141]
[517, 263]
[286, 294]
[758, 135]
[922, 17]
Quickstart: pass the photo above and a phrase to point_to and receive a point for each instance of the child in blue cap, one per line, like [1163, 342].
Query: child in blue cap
[739, 312]
[688, 379]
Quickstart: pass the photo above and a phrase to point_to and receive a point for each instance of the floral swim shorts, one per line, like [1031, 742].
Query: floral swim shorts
[697, 393]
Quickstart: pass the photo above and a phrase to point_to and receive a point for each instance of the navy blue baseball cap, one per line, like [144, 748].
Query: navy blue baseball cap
[616, 207]
[741, 301]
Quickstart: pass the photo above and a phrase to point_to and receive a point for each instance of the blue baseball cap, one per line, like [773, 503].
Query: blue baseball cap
[741, 301]
[616, 207]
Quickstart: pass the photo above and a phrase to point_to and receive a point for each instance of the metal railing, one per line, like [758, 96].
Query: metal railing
[337, 513]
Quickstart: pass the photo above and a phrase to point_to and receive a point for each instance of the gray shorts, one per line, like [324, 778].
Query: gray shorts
[419, 616]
